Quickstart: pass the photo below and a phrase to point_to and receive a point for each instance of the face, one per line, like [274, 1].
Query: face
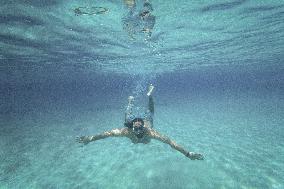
[137, 124]
[138, 127]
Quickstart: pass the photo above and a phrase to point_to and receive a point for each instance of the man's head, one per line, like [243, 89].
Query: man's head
[138, 125]
[137, 122]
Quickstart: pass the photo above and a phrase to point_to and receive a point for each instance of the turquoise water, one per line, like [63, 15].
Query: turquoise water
[217, 68]
[239, 130]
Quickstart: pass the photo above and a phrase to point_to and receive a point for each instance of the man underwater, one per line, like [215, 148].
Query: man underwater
[140, 130]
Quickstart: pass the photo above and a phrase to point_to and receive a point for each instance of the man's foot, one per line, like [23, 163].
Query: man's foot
[130, 99]
[150, 90]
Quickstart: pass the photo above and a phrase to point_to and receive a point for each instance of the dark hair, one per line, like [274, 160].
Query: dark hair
[130, 124]
[137, 120]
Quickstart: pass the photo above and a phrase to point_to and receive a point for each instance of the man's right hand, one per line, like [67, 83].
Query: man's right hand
[83, 139]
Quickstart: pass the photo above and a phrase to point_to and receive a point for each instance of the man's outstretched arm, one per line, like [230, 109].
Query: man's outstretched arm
[113, 133]
[173, 144]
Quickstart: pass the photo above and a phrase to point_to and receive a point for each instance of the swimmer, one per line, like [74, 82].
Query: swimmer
[140, 129]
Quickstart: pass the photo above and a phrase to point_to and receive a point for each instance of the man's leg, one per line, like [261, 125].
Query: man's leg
[128, 112]
[151, 104]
